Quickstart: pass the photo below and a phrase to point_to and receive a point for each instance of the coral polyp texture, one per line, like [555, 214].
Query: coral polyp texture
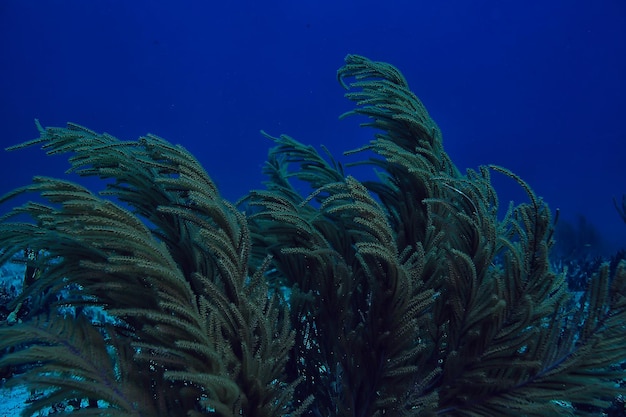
[402, 295]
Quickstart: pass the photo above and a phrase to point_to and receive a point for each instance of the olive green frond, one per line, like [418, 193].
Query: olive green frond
[69, 358]
[172, 269]
[319, 295]
[382, 94]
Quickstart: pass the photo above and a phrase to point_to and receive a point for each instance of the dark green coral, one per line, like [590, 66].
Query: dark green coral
[407, 294]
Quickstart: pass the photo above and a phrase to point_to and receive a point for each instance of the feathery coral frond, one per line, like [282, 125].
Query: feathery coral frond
[404, 295]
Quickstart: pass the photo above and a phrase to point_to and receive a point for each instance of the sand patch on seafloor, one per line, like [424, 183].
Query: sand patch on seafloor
[12, 401]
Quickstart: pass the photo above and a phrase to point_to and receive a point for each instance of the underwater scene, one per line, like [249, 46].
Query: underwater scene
[317, 209]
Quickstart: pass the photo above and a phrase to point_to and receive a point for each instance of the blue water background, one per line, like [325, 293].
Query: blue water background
[537, 86]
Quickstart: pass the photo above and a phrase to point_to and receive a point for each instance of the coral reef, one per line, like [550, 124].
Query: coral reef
[404, 295]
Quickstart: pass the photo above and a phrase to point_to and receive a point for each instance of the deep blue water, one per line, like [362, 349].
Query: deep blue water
[538, 86]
